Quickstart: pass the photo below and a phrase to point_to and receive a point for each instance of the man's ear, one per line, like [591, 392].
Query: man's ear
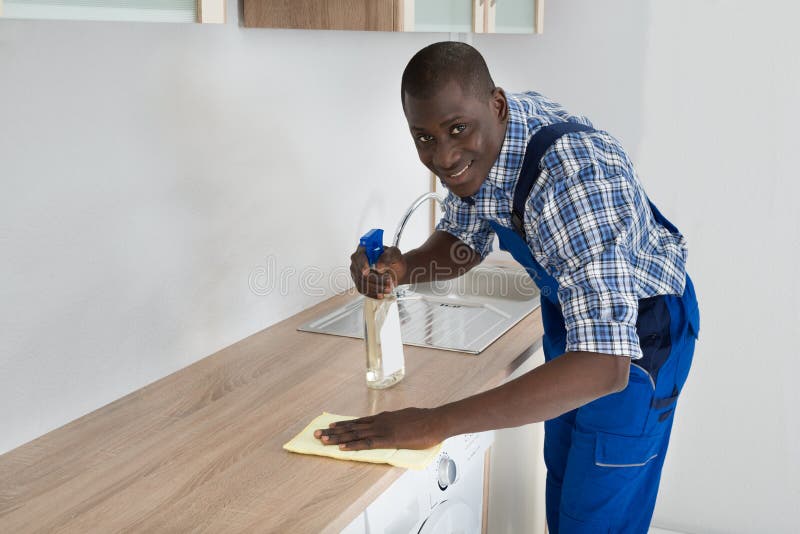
[499, 104]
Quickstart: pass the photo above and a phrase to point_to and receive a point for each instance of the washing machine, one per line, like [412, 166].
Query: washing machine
[444, 498]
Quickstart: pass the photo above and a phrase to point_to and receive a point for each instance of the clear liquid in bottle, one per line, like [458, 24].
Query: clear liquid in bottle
[385, 360]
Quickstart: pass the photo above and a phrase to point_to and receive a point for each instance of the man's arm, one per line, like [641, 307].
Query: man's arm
[561, 385]
[442, 257]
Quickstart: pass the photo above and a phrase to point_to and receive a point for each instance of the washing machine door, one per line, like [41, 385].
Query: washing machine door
[451, 517]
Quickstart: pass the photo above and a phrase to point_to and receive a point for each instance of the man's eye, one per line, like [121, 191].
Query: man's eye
[458, 128]
[422, 138]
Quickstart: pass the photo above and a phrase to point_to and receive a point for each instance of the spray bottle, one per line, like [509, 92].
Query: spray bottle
[385, 361]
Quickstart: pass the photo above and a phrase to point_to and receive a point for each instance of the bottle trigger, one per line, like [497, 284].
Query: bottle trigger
[372, 242]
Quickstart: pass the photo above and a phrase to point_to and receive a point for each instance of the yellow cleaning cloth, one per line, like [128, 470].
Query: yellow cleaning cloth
[306, 443]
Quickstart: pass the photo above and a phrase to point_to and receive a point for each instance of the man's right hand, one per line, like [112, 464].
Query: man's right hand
[381, 280]
[441, 257]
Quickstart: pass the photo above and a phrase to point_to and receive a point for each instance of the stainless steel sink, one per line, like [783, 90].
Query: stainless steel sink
[465, 314]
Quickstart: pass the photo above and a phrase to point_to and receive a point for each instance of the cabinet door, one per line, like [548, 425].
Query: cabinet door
[116, 10]
[513, 16]
[443, 16]
[376, 15]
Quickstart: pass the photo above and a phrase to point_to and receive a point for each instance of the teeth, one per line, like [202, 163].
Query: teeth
[459, 173]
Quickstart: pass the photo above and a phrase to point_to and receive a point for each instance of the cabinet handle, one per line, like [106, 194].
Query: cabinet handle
[479, 15]
[539, 17]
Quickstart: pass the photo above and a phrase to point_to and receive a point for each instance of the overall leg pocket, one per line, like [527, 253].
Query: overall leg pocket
[611, 482]
[624, 413]
[623, 451]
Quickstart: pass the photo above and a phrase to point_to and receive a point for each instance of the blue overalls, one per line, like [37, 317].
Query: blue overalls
[604, 459]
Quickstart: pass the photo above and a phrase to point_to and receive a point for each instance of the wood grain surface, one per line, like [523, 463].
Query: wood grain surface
[377, 15]
[200, 450]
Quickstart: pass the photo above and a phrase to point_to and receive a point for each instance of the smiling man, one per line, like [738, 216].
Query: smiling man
[619, 311]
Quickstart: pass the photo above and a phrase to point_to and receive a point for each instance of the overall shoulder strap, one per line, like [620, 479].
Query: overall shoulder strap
[537, 146]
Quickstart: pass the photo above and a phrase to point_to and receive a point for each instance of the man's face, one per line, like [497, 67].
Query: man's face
[458, 137]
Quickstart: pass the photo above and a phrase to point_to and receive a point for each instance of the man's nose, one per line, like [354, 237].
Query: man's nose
[446, 158]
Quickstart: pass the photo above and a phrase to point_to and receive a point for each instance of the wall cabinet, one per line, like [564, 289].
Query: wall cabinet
[204, 11]
[377, 15]
[455, 16]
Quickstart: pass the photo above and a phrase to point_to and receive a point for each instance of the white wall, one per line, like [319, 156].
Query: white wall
[148, 169]
[722, 88]
[704, 94]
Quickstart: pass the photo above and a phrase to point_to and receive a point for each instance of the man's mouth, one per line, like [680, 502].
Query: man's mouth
[462, 171]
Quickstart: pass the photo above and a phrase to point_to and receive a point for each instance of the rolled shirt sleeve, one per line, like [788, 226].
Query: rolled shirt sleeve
[584, 233]
[461, 220]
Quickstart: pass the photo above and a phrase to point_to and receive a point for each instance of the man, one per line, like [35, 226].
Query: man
[619, 312]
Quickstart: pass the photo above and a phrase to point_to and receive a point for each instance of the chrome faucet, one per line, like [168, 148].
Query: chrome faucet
[417, 203]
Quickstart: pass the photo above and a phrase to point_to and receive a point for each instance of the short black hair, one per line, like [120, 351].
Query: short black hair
[438, 64]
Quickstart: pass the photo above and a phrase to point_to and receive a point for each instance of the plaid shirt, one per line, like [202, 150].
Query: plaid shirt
[587, 223]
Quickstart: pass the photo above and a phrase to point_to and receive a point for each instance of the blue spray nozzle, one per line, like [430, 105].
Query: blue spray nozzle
[372, 242]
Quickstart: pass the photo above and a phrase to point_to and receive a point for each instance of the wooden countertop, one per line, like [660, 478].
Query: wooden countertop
[200, 450]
